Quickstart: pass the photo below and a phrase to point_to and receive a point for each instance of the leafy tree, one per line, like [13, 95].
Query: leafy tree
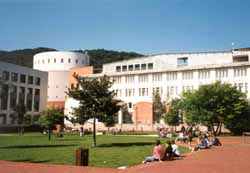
[49, 118]
[127, 116]
[172, 116]
[212, 105]
[96, 101]
[158, 108]
[240, 122]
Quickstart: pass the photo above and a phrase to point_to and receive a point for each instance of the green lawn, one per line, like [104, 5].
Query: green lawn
[112, 151]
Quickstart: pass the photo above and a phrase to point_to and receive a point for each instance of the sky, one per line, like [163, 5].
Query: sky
[143, 26]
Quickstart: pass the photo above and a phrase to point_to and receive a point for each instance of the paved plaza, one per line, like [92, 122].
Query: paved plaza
[232, 157]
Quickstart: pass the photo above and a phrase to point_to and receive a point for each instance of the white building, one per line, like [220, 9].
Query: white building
[58, 64]
[170, 74]
[21, 85]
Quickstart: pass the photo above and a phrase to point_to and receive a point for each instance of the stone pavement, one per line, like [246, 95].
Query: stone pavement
[232, 157]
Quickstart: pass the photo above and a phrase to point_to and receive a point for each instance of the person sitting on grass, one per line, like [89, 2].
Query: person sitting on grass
[168, 151]
[181, 137]
[216, 142]
[175, 150]
[157, 153]
[202, 144]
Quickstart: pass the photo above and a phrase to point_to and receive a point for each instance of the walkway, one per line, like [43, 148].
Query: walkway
[232, 157]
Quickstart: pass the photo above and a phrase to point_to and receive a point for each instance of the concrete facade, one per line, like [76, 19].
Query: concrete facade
[21, 85]
[136, 80]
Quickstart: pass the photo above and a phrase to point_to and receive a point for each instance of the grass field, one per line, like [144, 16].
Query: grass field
[112, 151]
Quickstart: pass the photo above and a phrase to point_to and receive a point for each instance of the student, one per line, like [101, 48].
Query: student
[216, 142]
[157, 153]
[168, 151]
[202, 144]
[175, 150]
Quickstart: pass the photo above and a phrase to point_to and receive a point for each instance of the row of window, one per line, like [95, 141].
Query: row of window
[14, 95]
[134, 67]
[183, 61]
[186, 75]
[62, 60]
[22, 78]
[170, 90]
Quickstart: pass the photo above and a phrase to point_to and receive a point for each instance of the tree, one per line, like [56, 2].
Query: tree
[49, 118]
[240, 122]
[96, 101]
[172, 116]
[158, 108]
[213, 104]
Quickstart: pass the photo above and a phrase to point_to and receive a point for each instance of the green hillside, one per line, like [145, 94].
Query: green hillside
[98, 57]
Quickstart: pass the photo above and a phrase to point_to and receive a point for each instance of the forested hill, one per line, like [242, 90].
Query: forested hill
[22, 57]
[98, 57]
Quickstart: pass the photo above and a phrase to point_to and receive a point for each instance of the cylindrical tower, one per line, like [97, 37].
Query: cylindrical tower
[58, 65]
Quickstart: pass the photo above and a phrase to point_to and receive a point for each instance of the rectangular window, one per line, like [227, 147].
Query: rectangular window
[62, 60]
[124, 68]
[54, 60]
[137, 66]
[183, 61]
[37, 100]
[240, 58]
[30, 80]
[6, 76]
[143, 66]
[14, 77]
[129, 105]
[157, 77]
[48, 61]
[150, 65]
[204, 74]
[172, 76]
[13, 96]
[117, 79]
[241, 71]
[130, 79]
[69, 60]
[22, 78]
[143, 78]
[118, 68]
[130, 68]
[4, 96]
[37, 81]
[221, 73]
[29, 97]
[21, 95]
[187, 75]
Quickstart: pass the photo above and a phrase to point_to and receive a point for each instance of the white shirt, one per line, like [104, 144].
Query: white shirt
[175, 149]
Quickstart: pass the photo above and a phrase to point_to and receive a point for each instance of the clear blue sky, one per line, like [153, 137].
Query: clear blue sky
[144, 26]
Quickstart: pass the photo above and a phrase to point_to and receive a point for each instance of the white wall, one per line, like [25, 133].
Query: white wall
[45, 61]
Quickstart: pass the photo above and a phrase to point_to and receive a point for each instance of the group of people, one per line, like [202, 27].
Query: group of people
[203, 142]
[172, 149]
[171, 152]
[164, 133]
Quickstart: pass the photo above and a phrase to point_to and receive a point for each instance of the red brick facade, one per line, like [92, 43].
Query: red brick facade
[143, 114]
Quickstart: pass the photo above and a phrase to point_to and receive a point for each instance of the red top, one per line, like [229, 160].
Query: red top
[158, 151]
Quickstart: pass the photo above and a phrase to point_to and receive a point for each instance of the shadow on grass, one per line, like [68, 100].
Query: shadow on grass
[126, 144]
[30, 161]
[37, 146]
